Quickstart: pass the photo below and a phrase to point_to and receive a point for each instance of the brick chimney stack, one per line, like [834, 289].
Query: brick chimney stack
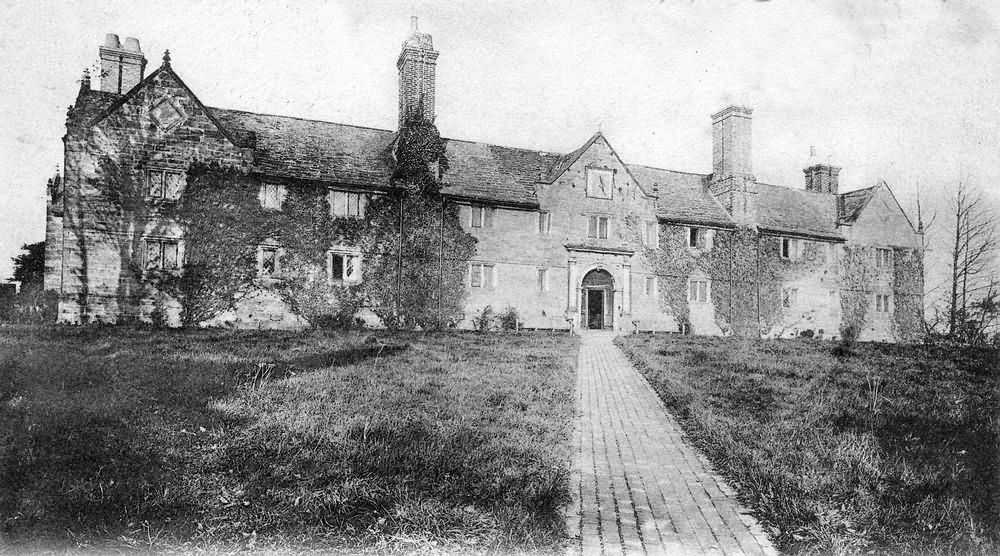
[822, 178]
[416, 64]
[122, 67]
[731, 143]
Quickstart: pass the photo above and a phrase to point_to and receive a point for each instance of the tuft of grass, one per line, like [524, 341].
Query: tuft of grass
[172, 440]
[892, 450]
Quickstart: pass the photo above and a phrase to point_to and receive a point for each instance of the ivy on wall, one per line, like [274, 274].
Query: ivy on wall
[908, 293]
[747, 273]
[857, 273]
[413, 248]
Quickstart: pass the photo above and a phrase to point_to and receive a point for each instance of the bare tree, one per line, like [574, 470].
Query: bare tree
[973, 254]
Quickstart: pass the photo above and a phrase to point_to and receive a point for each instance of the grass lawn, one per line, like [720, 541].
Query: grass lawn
[891, 450]
[217, 441]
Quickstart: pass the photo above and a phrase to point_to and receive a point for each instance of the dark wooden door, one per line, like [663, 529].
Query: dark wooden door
[595, 309]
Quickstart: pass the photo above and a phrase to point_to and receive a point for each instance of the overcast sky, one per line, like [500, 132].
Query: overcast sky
[901, 91]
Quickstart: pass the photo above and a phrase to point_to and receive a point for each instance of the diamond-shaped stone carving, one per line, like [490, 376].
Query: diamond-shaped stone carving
[165, 114]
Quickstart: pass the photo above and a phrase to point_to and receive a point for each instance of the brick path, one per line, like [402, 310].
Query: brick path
[639, 488]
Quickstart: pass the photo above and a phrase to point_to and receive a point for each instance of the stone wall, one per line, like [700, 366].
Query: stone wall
[104, 211]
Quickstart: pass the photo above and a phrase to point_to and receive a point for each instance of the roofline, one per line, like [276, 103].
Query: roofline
[577, 153]
[300, 119]
[484, 201]
[371, 186]
[695, 222]
[768, 231]
[138, 86]
[882, 183]
[699, 174]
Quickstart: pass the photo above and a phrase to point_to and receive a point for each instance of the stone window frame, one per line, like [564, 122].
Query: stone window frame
[883, 303]
[162, 242]
[594, 222]
[883, 258]
[789, 297]
[651, 234]
[148, 174]
[544, 222]
[481, 216]
[479, 278]
[649, 288]
[543, 279]
[791, 248]
[701, 288]
[361, 201]
[272, 195]
[699, 237]
[346, 254]
[279, 252]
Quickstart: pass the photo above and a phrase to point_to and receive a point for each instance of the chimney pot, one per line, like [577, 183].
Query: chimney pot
[121, 69]
[413, 24]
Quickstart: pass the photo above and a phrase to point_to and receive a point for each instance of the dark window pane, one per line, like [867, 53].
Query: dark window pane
[336, 267]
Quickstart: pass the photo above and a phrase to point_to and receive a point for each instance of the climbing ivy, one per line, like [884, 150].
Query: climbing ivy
[908, 285]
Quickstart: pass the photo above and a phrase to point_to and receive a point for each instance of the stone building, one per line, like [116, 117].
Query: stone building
[568, 239]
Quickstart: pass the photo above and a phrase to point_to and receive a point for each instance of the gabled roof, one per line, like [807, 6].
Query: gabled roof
[297, 148]
[683, 196]
[852, 203]
[564, 162]
[797, 211]
[134, 91]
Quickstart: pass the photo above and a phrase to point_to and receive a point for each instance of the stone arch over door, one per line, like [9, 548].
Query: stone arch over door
[597, 299]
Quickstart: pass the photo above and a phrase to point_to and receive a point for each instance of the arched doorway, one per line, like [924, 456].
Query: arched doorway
[597, 299]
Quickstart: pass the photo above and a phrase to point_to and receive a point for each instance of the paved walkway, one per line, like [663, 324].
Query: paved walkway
[639, 488]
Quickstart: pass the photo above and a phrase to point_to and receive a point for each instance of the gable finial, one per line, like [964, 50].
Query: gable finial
[166, 57]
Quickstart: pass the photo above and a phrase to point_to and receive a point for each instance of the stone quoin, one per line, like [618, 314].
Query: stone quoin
[579, 239]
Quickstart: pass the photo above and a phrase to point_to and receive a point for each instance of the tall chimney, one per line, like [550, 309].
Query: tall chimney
[416, 64]
[121, 67]
[731, 143]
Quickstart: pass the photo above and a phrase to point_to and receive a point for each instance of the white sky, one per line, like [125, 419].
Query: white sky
[901, 91]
